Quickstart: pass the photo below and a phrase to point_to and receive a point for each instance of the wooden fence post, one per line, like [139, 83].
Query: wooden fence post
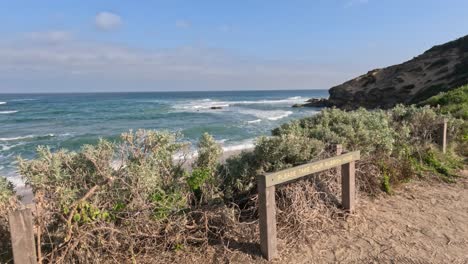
[443, 135]
[22, 236]
[348, 186]
[267, 218]
[266, 193]
[338, 151]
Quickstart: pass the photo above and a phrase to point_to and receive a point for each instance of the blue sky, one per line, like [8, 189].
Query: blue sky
[70, 46]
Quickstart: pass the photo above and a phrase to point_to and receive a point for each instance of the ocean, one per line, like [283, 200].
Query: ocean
[71, 120]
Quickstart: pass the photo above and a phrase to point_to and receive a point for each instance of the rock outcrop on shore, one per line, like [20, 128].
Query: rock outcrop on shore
[441, 68]
[315, 102]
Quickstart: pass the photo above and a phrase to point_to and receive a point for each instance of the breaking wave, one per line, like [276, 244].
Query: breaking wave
[209, 103]
[263, 114]
[27, 137]
[254, 121]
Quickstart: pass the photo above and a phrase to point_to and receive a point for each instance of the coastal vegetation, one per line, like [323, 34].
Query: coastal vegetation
[8, 202]
[453, 102]
[132, 198]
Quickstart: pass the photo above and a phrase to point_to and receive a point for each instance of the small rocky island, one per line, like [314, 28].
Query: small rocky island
[441, 68]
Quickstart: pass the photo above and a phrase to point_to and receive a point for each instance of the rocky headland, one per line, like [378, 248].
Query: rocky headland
[441, 68]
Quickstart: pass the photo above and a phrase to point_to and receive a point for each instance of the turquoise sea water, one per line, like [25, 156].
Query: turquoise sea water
[71, 120]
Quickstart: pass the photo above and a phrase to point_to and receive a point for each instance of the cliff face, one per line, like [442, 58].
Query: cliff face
[441, 68]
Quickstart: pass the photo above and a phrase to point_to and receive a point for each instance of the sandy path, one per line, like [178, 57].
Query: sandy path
[421, 223]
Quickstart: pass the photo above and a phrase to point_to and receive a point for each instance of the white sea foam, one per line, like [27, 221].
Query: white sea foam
[2, 103]
[4, 147]
[207, 106]
[264, 114]
[21, 100]
[183, 155]
[290, 100]
[16, 138]
[254, 121]
[280, 116]
[7, 112]
[26, 137]
[243, 145]
[18, 183]
[209, 103]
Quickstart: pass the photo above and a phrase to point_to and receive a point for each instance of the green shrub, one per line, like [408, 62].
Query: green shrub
[8, 202]
[239, 174]
[454, 102]
[198, 178]
[284, 151]
[393, 171]
[398, 136]
[445, 165]
[462, 147]
[209, 153]
[367, 131]
[6, 190]
[127, 186]
[386, 183]
[419, 124]
[167, 202]
[204, 181]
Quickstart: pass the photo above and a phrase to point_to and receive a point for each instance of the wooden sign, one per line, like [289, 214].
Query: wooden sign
[266, 192]
[309, 168]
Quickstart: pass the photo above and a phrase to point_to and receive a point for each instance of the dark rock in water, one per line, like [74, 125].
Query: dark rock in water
[216, 107]
[315, 102]
[441, 68]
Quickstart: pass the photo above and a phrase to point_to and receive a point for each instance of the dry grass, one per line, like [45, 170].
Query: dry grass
[304, 208]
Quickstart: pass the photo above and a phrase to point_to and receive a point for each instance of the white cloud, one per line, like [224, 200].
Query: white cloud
[183, 24]
[108, 21]
[54, 36]
[91, 66]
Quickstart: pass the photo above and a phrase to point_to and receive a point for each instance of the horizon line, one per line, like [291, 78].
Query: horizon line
[164, 91]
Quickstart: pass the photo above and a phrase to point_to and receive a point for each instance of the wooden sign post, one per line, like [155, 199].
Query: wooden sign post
[22, 236]
[266, 193]
[443, 136]
[348, 182]
[267, 215]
